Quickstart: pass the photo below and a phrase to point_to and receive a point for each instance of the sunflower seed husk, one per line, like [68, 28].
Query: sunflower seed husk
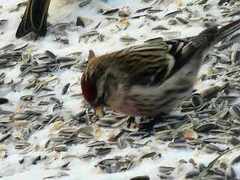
[84, 3]
[140, 178]
[80, 22]
[160, 27]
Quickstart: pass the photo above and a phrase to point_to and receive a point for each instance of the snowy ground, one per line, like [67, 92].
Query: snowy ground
[140, 29]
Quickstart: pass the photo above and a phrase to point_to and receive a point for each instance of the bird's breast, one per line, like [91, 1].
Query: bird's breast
[118, 101]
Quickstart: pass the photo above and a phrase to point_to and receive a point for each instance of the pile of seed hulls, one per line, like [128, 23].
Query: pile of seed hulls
[209, 120]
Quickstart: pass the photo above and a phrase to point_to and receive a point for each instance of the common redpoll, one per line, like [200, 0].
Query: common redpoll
[152, 78]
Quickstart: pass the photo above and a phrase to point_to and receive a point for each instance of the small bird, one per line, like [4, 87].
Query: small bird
[149, 79]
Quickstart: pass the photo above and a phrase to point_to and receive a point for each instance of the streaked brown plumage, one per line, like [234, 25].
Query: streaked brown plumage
[149, 79]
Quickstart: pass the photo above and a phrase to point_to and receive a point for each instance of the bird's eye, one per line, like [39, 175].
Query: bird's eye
[88, 90]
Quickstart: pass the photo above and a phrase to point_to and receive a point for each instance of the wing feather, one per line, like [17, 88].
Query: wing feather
[150, 63]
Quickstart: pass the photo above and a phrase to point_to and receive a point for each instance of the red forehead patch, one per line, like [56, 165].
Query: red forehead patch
[88, 89]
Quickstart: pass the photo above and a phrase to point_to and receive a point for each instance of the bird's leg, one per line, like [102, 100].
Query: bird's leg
[131, 122]
[148, 123]
[141, 124]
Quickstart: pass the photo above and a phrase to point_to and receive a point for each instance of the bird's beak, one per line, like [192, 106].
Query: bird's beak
[99, 111]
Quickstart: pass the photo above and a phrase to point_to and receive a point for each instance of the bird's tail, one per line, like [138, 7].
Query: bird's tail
[214, 34]
[34, 18]
[227, 30]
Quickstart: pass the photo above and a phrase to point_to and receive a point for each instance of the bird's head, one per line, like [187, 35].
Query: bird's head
[89, 84]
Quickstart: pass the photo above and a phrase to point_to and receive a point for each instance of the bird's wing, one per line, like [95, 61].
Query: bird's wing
[154, 61]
